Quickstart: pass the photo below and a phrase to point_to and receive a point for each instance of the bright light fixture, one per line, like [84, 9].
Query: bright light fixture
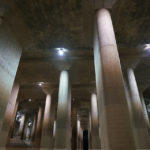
[147, 47]
[61, 51]
[29, 100]
[40, 83]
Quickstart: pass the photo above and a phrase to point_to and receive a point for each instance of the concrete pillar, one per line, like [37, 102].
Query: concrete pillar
[21, 127]
[116, 130]
[47, 139]
[74, 126]
[37, 140]
[54, 129]
[90, 132]
[141, 136]
[95, 139]
[10, 52]
[63, 126]
[10, 114]
[79, 136]
[13, 120]
[33, 128]
[26, 129]
[146, 118]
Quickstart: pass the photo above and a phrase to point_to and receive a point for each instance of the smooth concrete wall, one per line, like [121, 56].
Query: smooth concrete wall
[10, 53]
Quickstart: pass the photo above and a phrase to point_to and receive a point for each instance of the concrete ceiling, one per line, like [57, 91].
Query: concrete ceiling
[42, 25]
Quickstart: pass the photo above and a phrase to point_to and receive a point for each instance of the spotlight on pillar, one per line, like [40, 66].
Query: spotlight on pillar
[61, 51]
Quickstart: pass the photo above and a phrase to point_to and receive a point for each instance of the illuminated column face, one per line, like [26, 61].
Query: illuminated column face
[146, 118]
[139, 125]
[79, 135]
[54, 129]
[94, 110]
[46, 140]
[33, 128]
[22, 121]
[37, 140]
[79, 128]
[94, 123]
[10, 52]
[63, 125]
[112, 104]
[9, 119]
[47, 113]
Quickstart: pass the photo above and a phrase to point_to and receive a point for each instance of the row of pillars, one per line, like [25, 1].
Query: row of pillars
[41, 127]
[120, 111]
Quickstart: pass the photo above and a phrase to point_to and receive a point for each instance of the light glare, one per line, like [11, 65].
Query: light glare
[40, 84]
[147, 47]
[61, 51]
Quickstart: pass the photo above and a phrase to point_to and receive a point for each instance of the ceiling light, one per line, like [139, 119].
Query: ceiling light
[61, 51]
[40, 83]
[147, 47]
[29, 100]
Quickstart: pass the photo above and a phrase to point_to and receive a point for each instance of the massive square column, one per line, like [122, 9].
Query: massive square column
[10, 114]
[10, 52]
[63, 126]
[112, 104]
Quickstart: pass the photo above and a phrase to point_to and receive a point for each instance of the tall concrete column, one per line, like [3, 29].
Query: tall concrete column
[10, 114]
[37, 140]
[10, 52]
[46, 139]
[116, 130]
[74, 126]
[95, 139]
[141, 136]
[146, 118]
[21, 126]
[33, 128]
[13, 120]
[26, 129]
[54, 129]
[63, 126]
[90, 132]
[79, 136]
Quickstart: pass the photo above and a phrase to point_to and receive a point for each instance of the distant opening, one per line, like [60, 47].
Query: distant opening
[85, 140]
